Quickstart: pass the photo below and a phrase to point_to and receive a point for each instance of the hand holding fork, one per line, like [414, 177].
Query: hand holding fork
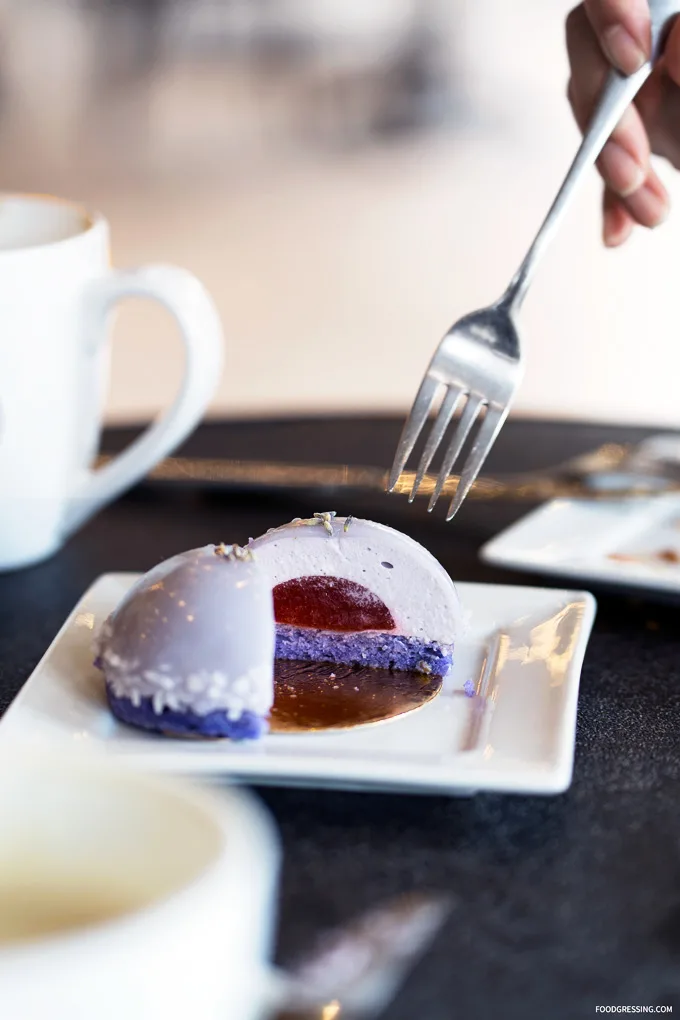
[479, 365]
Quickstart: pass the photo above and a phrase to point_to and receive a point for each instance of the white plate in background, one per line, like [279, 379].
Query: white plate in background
[523, 650]
[631, 544]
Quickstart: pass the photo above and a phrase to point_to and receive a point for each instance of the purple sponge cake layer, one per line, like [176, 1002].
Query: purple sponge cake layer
[364, 648]
[185, 723]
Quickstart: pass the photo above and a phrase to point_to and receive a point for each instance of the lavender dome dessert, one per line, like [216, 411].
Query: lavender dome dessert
[190, 649]
[356, 592]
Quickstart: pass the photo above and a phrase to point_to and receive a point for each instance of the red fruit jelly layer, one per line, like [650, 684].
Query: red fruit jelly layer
[330, 603]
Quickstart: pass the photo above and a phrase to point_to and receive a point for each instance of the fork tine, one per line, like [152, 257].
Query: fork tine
[412, 428]
[449, 404]
[484, 440]
[467, 420]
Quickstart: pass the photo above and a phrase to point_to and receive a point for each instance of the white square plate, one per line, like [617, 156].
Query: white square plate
[616, 544]
[523, 650]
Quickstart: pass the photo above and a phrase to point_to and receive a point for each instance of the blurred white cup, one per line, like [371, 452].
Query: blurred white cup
[123, 896]
[57, 289]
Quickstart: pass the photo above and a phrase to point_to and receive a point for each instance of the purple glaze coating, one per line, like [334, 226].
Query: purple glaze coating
[186, 723]
[196, 635]
[366, 648]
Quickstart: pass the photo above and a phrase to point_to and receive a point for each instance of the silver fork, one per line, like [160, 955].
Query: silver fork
[479, 361]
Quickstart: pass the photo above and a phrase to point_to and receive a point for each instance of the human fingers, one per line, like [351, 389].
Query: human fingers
[623, 30]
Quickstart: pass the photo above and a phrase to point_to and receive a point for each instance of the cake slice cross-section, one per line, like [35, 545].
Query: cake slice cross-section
[352, 591]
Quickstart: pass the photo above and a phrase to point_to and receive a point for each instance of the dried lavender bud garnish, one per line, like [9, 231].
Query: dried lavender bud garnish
[326, 518]
[469, 688]
[233, 552]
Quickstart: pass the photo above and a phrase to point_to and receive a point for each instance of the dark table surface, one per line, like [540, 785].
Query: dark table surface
[561, 904]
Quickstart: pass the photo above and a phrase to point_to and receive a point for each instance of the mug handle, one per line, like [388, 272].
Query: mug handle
[199, 325]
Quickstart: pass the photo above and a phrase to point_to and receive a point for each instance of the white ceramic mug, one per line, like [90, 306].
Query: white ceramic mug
[193, 873]
[56, 292]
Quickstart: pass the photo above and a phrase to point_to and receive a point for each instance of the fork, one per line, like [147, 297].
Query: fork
[479, 364]
[356, 970]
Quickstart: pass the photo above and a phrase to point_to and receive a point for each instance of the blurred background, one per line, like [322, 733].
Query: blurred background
[347, 177]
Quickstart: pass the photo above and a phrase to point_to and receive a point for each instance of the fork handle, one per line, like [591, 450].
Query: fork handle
[617, 95]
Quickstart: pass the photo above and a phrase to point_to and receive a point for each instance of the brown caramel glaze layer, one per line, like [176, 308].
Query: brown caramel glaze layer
[312, 696]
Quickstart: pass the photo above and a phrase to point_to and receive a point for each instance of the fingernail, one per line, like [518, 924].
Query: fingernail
[617, 225]
[659, 208]
[623, 50]
[621, 171]
[648, 207]
[614, 232]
